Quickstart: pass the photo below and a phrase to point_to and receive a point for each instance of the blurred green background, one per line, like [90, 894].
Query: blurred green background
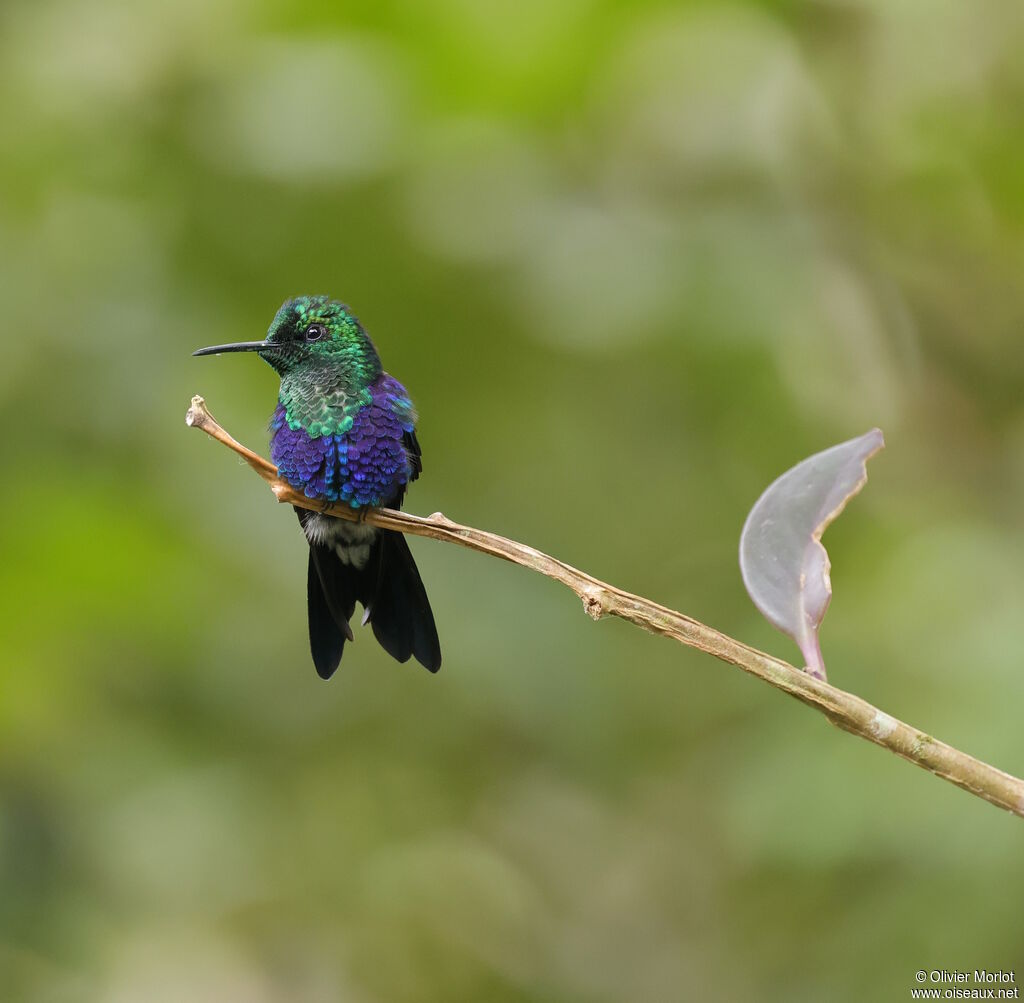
[633, 260]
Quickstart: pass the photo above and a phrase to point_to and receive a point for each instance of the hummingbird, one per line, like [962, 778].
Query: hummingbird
[345, 431]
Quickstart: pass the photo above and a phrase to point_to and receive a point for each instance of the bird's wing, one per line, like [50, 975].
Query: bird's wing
[412, 447]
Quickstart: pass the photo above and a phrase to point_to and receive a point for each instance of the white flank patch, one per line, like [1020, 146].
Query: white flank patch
[351, 540]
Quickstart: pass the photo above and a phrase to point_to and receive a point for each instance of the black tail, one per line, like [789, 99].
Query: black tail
[390, 589]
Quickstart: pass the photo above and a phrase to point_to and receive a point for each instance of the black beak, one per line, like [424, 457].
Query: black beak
[238, 346]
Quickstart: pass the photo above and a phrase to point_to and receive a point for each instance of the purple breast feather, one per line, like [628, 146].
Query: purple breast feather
[368, 465]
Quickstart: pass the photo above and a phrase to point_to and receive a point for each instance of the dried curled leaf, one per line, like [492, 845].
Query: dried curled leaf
[784, 565]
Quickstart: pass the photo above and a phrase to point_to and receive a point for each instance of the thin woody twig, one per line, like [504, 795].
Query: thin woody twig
[843, 709]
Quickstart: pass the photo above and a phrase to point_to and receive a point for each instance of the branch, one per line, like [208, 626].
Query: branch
[843, 709]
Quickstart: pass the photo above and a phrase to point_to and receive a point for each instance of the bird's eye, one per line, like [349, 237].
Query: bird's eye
[315, 332]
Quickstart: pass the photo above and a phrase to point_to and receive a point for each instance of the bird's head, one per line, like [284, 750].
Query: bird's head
[313, 334]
